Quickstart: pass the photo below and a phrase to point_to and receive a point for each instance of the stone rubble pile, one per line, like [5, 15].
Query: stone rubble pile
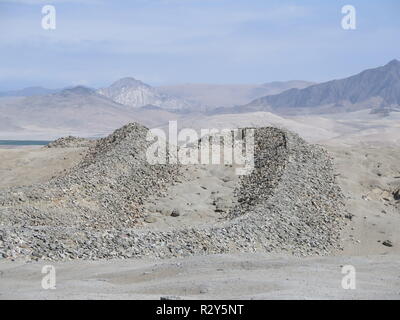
[289, 203]
[71, 142]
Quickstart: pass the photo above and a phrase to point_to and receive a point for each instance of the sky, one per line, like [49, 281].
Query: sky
[165, 42]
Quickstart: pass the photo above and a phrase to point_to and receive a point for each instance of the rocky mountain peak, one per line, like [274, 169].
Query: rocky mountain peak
[128, 82]
[134, 93]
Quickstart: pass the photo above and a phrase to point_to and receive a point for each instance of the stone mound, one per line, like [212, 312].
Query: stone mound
[290, 202]
[106, 189]
[70, 142]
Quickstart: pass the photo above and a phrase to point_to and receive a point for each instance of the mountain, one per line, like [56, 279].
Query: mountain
[228, 95]
[136, 94]
[74, 111]
[371, 89]
[27, 92]
[81, 91]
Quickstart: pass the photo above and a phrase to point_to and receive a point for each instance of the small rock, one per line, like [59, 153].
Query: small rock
[175, 213]
[349, 216]
[387, 243]
[203, 289]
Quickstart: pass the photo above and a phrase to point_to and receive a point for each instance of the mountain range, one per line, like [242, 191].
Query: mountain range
[95, 112]
[27, 92]
[229, 95]
[177, 98]
[75, 111]
[377, 89]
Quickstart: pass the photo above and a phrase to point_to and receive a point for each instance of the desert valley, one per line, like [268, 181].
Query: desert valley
[324, 193]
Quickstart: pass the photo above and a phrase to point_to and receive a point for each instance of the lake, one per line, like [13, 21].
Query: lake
[24, 142]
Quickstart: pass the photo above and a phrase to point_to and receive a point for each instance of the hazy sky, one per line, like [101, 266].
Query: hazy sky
[180, 41]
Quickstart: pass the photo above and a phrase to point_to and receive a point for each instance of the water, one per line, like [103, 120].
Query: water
[24, 142]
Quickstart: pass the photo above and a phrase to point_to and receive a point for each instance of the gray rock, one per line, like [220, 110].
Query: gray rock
[175, 213]
[203, 289]
[387, 243]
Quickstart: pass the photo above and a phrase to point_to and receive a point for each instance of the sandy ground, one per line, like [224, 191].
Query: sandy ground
[204, 199]
[367, 174]
[29, 165]
[244, 276]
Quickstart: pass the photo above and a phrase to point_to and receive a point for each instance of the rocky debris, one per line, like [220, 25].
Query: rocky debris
[71, 142]
[289, 203]
[387, 243]
[105, 191]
